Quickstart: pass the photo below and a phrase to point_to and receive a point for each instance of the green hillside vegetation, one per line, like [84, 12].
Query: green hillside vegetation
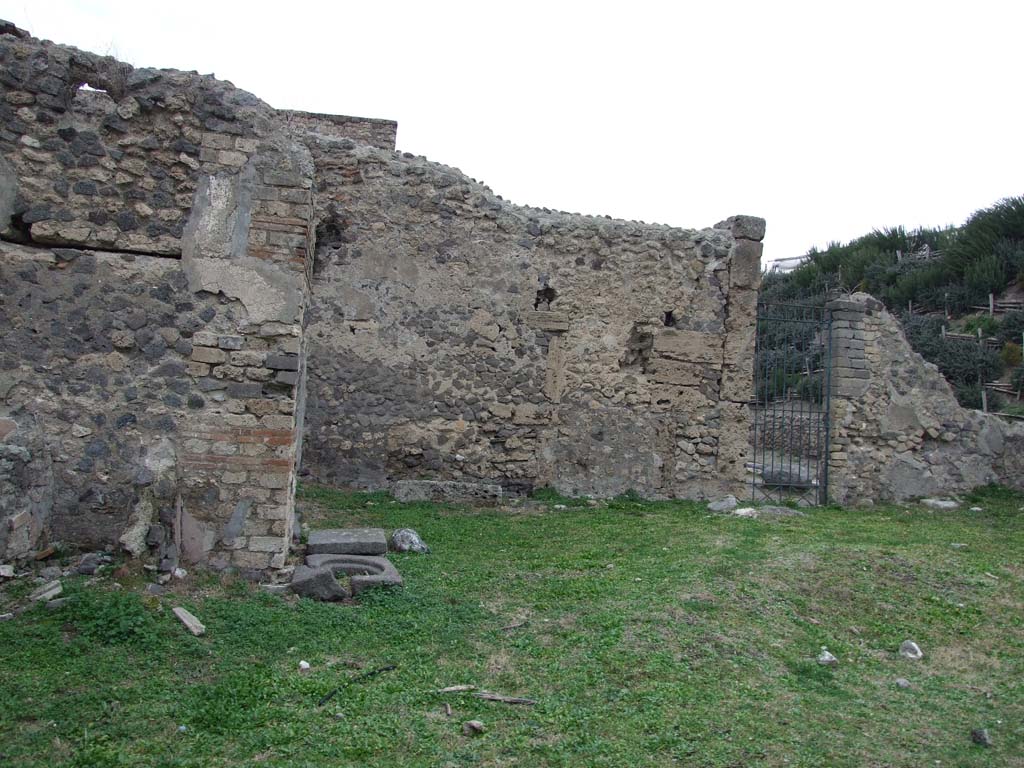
[939, 274]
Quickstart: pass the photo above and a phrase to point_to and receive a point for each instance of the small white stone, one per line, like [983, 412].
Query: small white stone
[940, 503]
[304, 666]
[827, 659]
[180, 573]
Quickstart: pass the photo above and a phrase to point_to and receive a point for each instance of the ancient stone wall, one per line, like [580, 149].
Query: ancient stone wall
[456, 337]
[157, 232]
[365, 130]
[160, 234]
[898, 431]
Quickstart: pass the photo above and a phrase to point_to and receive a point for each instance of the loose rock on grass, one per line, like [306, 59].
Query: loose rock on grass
[472, 727]
[940, 503]
[407, 540]
[980, 736]
[727, 504]
[911, 650]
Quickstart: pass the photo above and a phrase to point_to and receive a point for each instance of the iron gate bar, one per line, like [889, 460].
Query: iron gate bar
[792, 402]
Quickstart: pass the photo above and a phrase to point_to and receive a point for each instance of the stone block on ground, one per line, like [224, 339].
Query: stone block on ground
[347, 541]
[192, 624]
[46, 592]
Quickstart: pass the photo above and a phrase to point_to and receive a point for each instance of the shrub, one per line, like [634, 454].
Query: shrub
[989, 325]
[1011, 328]
[1010, 354]
[968, 395]
[984, 276]
[1011, 253]
[963, 363]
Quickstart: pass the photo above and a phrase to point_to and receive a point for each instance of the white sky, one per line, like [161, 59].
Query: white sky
[828, 119]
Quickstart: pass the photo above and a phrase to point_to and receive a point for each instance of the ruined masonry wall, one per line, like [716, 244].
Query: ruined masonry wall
[156, 247]
[192, 281]
[898, 431]
[456, 337]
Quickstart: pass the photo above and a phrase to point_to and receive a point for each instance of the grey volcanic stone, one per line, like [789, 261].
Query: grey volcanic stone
[89, 563]
[727, 504]
[445, 490]
[318, 583]
[347, 541]
[407, 540]
[980, 736]
[363, 571]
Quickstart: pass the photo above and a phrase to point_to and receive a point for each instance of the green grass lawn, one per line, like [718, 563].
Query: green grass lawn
[649, 634]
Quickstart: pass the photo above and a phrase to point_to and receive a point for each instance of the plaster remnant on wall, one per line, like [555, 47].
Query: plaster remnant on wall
[266, 294]
[218, 225]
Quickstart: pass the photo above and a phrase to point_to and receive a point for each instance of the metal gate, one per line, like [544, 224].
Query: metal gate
[790, 438]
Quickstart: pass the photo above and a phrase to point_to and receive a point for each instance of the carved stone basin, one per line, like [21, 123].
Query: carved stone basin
[364, 571]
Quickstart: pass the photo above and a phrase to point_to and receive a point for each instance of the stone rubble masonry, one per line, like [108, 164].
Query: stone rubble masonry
[897, 429]
[455, 338]
[156, 246]
[178, 260]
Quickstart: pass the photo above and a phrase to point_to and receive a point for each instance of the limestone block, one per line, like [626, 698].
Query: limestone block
[745, 267]
[748, 227]
[739, 348]
[737, 384]
[347, 541]
[545, 320]
[689, 346]
[267, 543]
[675, 372]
